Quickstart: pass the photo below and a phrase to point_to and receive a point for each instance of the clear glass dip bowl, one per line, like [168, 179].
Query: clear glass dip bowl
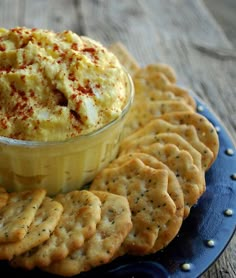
[61, 166]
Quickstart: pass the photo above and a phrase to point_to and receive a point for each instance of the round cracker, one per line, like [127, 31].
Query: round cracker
[170, 138]
[82, 212]
[143, 111]
[181, 163]
[111, 231]
[204, 128]
[151, 205]
[24, 204]
[188, 132]
[168, 231]
[44, 223]
[146, 81]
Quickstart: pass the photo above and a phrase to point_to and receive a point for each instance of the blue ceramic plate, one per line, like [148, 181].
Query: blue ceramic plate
[203, 236]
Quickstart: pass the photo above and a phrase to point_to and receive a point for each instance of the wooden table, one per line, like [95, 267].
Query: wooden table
[181, 33]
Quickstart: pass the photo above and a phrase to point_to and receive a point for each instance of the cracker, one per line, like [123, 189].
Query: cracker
[111, 231]
[165, 69]
[143, 111]
[168, 231]
[154, 94]
[181, 92]
[182, 144]
[82, 212]
[153, 70]
[44, 223]
[19, 212]
[3, 197]
[150, 204]
[125, 58]
[146, 91]
[181, 163]
[145, 82]
[205, 130]
[169, 138]
[188, 132]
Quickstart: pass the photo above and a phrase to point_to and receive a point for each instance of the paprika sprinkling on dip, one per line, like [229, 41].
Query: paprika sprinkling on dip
[63, 102]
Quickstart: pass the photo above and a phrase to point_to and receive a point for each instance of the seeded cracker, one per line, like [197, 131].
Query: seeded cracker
[144, 82]
[158, 126]
[204, 128]
[150, 204]
[45, 221]
[82, 212]
[157, 95]
[168, 231]
[142, 111]
[3, 197]
[165, 69]
[181, 163]
[170, 138]
[111, 231]
[19, 212]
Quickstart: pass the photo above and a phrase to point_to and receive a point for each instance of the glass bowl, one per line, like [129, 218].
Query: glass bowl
[61, 166]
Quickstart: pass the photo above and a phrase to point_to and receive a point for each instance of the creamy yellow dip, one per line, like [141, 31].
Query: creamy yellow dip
[55, 86]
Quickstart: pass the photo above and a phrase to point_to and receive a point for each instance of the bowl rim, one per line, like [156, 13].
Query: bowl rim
[32, 143]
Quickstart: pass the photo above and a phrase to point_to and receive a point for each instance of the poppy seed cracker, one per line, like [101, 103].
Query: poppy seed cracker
[205, 130]
[142, 112]
[111, 231]
[146, 80]
[168, 231]
[181, 163]
[165, 69]
[82, 212]
[44, 223]
[19, 212]
[170, 138]
[150, 204]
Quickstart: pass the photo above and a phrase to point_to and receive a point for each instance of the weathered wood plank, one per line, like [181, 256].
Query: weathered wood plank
[153, 30]
[181, 19]
[57, 15]
[11, 13]
[224, 13]
[211, 78]
[153, 38]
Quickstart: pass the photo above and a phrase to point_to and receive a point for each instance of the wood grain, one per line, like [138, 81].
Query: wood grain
[181, 33]
[224, 13]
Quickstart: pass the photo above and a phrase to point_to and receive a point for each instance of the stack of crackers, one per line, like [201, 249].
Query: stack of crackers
[137, 204]
[166, 150]
[64, 235]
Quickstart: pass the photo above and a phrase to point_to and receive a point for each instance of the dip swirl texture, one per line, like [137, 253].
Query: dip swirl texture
[56, 86]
